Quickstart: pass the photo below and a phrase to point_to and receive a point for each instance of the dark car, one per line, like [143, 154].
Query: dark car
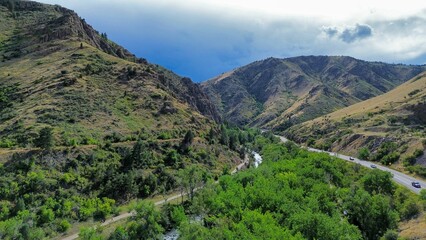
[351, 158]
[416, 184]
[373, 166]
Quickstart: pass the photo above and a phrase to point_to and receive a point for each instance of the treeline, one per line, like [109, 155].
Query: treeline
[43, 194]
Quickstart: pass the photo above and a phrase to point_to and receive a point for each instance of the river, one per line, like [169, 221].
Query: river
[174, 233]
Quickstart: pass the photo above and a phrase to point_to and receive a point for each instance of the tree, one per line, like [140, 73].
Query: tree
[224, 138]
[190, 178]
[119, 234]
[146, 222]
[46, 215]
[364, 153]
[89, 233]
[211, 136]
[379, 182]
[45, 138]
[187, 141]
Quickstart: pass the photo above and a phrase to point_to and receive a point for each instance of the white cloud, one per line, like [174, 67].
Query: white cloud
[202, 38]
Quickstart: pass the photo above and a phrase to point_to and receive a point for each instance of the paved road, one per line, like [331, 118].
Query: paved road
[398, 177]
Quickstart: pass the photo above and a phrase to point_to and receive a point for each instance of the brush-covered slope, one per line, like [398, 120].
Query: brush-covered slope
[394, 122]
[276, 93]
[56, 70]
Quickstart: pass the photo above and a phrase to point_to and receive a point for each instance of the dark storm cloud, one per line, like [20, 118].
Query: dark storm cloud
[349, 34]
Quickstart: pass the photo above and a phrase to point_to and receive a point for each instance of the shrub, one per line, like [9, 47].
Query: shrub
[64, 225]
[409, 161]
[45, 138]
[46, 215]
[364, 153]
[390, 235]
[310, 142]
[6, 143]
[410, 209]
[418, 153]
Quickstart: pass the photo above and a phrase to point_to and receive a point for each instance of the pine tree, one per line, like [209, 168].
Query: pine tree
[45, 138]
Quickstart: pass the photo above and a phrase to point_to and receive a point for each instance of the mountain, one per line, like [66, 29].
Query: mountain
[85, 126]
[56, 70]
[393, 122]
[276, 93]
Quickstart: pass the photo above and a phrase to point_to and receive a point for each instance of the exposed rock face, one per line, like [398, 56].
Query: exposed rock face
[71, 25]
[278, 93]
[76, 76]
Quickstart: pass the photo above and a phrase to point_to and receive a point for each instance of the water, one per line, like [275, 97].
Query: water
[257, 159]
[171, 235]
[174, 233]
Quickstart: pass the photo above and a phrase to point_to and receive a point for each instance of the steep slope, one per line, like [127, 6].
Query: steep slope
[57, 70]
[393, 122]
[277, 93]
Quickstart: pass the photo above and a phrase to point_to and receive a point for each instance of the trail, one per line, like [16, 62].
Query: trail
[160, 202]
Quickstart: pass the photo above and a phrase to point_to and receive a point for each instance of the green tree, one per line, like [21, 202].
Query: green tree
[145, 224]
[64, 225]
[379, 182]
[120, 233]
[89, 233]
[364, 153]
[390, 235]
[45, 138]
[187, 141]
[46, 215]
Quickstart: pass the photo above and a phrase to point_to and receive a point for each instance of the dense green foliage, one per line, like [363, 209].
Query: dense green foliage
[297, 194]
[43, 192]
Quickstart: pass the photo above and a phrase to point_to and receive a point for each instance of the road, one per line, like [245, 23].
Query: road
[401, 178]
[161, 202]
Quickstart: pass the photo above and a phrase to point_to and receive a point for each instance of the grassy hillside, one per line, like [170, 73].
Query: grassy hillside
[86, 127]
[277, 93]
[391, 126]
[57, 71]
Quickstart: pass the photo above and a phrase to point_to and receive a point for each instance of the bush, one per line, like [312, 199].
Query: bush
[418, 153]
[390, 235]
[364, 153]
[409, 161]
[410, 209]
[6, 143]
[420, 170]
[45, 138]
[64, 225]
[46, 215]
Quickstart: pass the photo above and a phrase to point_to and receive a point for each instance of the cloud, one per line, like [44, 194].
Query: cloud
[349, 34]
[203, 38]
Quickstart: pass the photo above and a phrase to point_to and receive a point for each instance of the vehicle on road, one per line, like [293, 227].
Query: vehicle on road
[351, 158]
[373, 166]
[416, 184]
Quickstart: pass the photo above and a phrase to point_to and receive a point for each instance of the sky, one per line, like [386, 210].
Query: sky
[201, 39]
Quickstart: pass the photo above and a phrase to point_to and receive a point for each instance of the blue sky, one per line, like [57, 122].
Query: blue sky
[204, 38]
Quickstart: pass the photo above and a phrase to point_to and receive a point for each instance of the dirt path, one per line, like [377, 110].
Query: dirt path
[161, 202]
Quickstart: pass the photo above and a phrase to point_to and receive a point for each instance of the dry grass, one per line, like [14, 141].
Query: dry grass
[414, 228]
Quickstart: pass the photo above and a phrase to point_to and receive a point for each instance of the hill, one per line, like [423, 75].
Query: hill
[389, 127]
[56, 70]
[276, 93]
[86, 127]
